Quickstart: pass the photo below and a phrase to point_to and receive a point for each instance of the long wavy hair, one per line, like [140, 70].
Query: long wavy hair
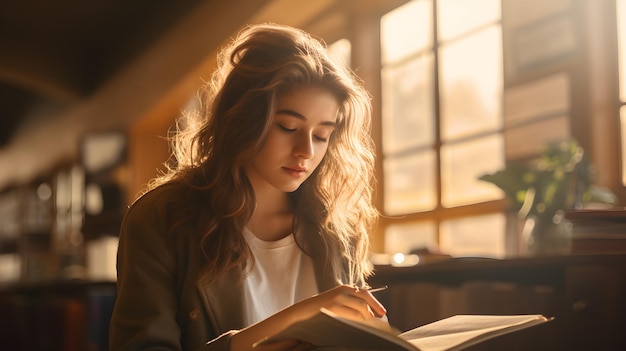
[333, 209]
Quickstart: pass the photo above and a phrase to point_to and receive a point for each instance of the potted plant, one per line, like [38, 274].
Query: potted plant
[560, 179]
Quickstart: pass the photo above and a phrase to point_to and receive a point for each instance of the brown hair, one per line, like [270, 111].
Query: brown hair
[332, 208]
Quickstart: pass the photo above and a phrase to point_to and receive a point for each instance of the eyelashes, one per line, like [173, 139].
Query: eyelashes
[293, 130]
[288, 130]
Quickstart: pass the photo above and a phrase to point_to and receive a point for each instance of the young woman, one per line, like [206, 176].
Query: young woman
[264, 219]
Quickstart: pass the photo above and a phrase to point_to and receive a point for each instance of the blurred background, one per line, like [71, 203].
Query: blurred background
[460, 89]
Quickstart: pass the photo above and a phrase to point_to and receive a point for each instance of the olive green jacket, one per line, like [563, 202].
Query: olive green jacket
[161, 305]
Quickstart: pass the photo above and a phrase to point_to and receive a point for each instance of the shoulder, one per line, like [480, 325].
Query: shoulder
[160, 198]
[155, 220]
[159, 206]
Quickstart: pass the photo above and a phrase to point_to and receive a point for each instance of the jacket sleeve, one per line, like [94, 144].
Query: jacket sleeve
[145, 316]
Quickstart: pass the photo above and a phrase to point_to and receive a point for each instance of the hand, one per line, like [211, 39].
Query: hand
[345, 301]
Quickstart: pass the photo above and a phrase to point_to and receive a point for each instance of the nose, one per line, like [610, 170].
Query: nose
[304, 147]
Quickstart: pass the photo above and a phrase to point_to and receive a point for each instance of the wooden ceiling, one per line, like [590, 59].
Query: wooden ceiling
[70, 66]
[55, 53]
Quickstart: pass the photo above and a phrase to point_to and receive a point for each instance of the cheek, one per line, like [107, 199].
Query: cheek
[273, 143]
[320, 153]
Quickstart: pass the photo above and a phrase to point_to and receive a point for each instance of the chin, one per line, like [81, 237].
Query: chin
[290, 188]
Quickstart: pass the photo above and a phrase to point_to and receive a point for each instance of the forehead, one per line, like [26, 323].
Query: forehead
[307, 97]
[306, 89]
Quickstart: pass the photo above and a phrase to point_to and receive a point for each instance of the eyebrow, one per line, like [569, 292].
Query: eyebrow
[302, 117]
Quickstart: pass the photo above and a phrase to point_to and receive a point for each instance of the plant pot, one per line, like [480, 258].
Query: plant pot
[546, 236]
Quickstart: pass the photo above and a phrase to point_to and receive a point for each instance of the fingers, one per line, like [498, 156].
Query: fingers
[354, 303]
[376, 307]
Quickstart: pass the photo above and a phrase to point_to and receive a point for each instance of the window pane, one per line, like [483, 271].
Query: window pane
[341, 51]
[408, 105]
[621, 37]
[623, 141]
[409, 184]
[463, 163]
[538, 99]
[471, 84]
[403, 238]
[457, 17]
[528, 140]
[474, 236]
[412, 20]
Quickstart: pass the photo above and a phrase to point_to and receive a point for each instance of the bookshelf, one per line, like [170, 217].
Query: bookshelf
[63, 315]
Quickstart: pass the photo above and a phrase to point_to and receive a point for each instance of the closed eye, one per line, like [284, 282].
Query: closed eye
[289, 130]
[292, 130]
[319, 138]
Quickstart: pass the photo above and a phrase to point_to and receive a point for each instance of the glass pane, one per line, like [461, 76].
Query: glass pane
[412, 20]
[623, 142]
[457, 17]
[463, 163]
[482, 236]
[471, 84]
[403, 238]
[341, 51]
[621, 37]
[408, 119]
[409, 184]
[528, 140]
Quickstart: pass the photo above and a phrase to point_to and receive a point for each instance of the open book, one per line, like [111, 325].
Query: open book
[328, 330]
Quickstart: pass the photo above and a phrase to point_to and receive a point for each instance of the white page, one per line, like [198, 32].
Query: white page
[466, 330]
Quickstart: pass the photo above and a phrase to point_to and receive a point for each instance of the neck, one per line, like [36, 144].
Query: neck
[272, 217]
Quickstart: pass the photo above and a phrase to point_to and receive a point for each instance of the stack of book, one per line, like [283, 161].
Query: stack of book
[598, 231]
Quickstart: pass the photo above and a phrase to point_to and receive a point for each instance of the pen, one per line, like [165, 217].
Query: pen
[381, 288]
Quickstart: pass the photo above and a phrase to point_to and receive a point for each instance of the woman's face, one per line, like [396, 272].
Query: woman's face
[297, 140]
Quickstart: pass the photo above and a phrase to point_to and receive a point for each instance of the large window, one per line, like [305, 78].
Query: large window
[442, 126]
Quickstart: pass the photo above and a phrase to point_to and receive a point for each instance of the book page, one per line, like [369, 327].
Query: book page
[326, 329]
[460, 331]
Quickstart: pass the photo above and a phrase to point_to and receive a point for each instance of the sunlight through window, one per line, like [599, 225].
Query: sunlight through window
[441, 117]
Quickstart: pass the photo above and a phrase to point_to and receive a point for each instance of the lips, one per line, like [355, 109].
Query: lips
[295, 171]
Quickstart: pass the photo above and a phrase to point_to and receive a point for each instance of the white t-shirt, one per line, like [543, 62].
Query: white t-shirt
[281, 276]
